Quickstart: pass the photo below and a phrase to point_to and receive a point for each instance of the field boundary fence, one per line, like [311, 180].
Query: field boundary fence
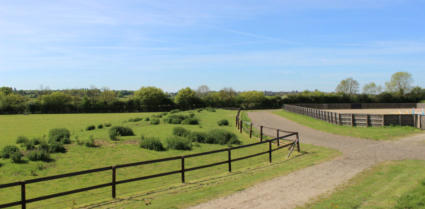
[292, 145]
[360, 120]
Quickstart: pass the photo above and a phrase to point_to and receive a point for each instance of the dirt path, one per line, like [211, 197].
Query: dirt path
[301, 186]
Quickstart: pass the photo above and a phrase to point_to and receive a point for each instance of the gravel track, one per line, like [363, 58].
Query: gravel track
[306, 184]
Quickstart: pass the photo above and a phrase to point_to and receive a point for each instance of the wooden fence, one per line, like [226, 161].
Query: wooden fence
[113, 169]
[361, 120]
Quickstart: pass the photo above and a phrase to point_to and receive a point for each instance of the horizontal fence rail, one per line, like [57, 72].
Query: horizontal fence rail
[361, 120]
[24, 201]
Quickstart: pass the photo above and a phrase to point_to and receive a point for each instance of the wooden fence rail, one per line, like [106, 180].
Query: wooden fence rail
[361, 120]
[24, 201]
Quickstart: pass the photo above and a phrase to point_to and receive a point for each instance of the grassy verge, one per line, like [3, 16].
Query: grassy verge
[397, 184]
[375, 133]
[117, 152]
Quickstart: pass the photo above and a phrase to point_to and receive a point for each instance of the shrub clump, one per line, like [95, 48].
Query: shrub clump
[151, 143]
[179, 143]
[175, 119]
[22, 140]
[108, 124]
[90, 127]
[174, 111]
[16, 157]
[200, 137]
[180, 131]
[223, 122]
[39, 155]
[116, 131]
[135, 119]
[59, 135]
[155, 121]
[147, 119]
[210, 109]
[8, 151]
[190, 121]
[100, 126]
[90, 142]
[219, 136]
[56, 147]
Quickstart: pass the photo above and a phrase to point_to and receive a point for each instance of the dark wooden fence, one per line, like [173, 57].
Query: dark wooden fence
[113, 169]
[362, 120]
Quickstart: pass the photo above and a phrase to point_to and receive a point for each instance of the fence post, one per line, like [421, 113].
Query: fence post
[270, 151]
[399, 120]
[367, 120]
[23, 196]
[298, 142]
[277, 135]
[250, 131]
[241, 126]
[229, 154]
[261, 133]
[183, 179]
[352, 120]
[114, 179]
[339, 119]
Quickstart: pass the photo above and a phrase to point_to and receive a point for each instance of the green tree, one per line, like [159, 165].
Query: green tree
[252, 99]
[186, 99]
[348, 86]
[151, 98]
[401, 83]
[372, 88]
[56, 102]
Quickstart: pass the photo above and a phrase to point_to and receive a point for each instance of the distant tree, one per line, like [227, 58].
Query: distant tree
[151, 98]
[252, 99]
[401, 83]
[348, 86]
[202, 90]
[372, 88]
[56, 102]
[186, 98]
[6, 90]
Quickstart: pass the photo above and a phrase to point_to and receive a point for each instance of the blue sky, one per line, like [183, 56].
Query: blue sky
[248, 45]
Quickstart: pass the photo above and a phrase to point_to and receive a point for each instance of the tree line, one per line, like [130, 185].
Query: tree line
[145, 99]
[398, 90]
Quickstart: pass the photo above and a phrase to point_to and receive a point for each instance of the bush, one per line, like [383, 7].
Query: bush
[174, 111]
[190, 121]
[90, 142]
[59, 135]
[56, 148]
[147, 119]
[135, 119]
[157, 115]
[90, 127]
[180, 131]
[179, 143]
[210, 109]
[31, 144]
[8, 151]
[100, 126]
[191, 115]
[219, 136]
[155, 121]
[175, 119]
[108, 124]
[22, 140]
[16, 157]
[223, 122]
[116, 131]
[151, 143]
[39, 155]
[199, 110]
[197, 137]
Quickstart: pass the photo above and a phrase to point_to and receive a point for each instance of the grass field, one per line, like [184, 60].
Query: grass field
[375, 133]
[127, 150]
[397, 184]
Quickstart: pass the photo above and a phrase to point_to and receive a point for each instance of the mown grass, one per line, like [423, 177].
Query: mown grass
[375, 133]
[123, 151]
[396, 184]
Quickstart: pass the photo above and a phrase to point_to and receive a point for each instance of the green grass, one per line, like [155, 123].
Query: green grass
[124, 151]
[396, 184]
[375, 133]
